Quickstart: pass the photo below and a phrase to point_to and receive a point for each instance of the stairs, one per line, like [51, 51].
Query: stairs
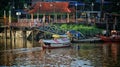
[45, 32]
[52, 29]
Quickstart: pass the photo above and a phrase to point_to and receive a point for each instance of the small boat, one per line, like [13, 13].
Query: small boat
[59, 41]
[110, 38]
[114, 37]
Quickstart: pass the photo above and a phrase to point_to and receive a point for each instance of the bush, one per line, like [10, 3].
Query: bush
[86, 30]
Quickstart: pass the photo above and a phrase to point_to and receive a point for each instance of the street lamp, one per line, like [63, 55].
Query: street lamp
[92, 6]
[118, 4]
[25, 6]
[40, 12]
[18, 15]
[51, 5]
[76, 11]
[9, 16]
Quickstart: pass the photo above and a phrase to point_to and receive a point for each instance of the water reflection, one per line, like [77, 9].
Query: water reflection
[21, 52]
[111, 54]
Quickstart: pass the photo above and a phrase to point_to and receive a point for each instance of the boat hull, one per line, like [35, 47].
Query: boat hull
[54, 46]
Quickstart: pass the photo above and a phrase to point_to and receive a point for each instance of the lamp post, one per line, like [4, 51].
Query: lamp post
[18, 16]
[9, 17]
[76, 12]
[92, 6]
[25, 6]
[51, 5]
[101, 9]
[39, 12]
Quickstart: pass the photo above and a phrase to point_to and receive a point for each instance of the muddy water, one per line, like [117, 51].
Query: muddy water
[23, 53]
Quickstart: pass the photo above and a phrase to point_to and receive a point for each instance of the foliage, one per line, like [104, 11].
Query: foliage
[86, 30]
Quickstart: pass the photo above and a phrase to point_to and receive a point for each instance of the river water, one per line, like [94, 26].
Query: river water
[23, 53]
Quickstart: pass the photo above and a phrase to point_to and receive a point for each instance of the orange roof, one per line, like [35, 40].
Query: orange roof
[50, 7]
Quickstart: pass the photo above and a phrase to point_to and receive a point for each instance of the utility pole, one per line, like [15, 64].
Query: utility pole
[101, 8]
[76, 12]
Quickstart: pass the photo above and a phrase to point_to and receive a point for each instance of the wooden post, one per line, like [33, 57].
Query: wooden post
[10, 37]
[55, 18]
[24, 39]
[5, 19]
[61, 18]
[32, 17]
[9, 17]
[114, 25]
[31, 20]
[5, 31]
[10, 30]
[107, 26]
[68, 18]
[33, 37]
[14, 33]
[37, 16]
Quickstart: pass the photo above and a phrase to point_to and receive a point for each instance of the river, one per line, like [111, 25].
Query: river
[23, 53]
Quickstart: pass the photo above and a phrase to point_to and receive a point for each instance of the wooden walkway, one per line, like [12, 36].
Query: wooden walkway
[26, 24]
[89, 40]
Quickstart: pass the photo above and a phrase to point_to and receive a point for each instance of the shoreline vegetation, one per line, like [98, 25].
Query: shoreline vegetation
[87, 30]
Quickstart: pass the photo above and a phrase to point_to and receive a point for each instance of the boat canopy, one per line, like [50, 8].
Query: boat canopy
[59, 36]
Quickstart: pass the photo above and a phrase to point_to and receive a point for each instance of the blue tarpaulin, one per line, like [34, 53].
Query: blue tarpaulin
[76, 34]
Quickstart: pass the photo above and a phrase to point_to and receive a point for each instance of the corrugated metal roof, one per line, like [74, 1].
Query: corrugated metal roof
[45, 7]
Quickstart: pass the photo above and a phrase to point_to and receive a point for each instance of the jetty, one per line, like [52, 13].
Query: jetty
[88, 40]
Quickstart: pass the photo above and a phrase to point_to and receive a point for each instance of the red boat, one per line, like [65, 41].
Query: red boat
[110, 38]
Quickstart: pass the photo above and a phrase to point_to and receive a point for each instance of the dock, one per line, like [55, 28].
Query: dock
[88, 40]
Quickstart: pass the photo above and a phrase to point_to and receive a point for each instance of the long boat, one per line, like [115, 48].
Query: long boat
[59, 42]
[110, 38]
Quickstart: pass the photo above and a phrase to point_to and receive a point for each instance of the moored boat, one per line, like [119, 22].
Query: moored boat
[59, 41]
[114, 37]
[110, 38]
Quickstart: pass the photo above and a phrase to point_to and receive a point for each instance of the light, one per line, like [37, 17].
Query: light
[76, 12]
[117, 4]
[92, 4]
[13, 7]
[51, 5]
[76, 4]
[40, 5]
[25, 5]
[18, 13]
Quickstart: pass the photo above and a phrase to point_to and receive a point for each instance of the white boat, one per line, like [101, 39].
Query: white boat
[59, 41]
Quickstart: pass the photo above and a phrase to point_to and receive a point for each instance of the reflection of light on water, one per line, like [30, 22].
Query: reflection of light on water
[26, 57]
[82, 63]
[17, 43]
[32, 55]
[53, 59]
[23, 50]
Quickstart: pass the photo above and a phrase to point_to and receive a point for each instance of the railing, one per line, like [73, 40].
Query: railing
[25, 24]
[52, 29]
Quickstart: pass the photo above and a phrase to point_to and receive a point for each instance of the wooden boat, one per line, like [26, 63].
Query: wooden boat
[58, 42]
[114, 37]
[110, 38]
